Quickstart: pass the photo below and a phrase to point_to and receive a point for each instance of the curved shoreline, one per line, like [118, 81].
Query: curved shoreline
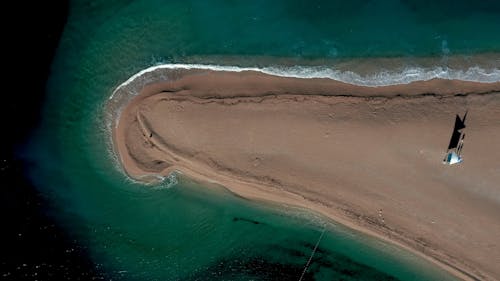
[283, 194]
[384, 78]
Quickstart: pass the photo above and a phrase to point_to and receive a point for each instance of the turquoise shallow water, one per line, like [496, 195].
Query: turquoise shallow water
[189, 232]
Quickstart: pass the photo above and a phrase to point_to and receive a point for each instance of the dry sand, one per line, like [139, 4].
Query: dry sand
[370, 158]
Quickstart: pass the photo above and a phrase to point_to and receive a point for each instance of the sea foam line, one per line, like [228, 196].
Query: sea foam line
[383, 78]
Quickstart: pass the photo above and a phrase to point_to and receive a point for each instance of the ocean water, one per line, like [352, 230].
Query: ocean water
[186, 231]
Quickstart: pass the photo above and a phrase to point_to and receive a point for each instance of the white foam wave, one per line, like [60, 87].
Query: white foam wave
[167, 182]
[383, 78]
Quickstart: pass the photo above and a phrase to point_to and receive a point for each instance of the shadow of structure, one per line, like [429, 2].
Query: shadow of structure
[453, 153]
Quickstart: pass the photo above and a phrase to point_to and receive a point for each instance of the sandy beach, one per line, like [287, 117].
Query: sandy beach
[367, 157]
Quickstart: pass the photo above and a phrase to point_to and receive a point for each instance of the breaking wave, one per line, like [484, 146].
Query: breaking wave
[382, 78]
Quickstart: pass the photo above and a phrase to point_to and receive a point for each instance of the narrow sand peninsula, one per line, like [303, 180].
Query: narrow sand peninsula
[367, 157]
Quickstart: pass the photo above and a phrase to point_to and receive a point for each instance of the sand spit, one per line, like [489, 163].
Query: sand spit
[368, 157]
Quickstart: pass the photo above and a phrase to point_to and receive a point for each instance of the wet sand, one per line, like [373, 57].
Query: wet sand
[367, 157]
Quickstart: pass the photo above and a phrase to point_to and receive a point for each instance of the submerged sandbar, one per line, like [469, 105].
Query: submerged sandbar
[369, 157]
